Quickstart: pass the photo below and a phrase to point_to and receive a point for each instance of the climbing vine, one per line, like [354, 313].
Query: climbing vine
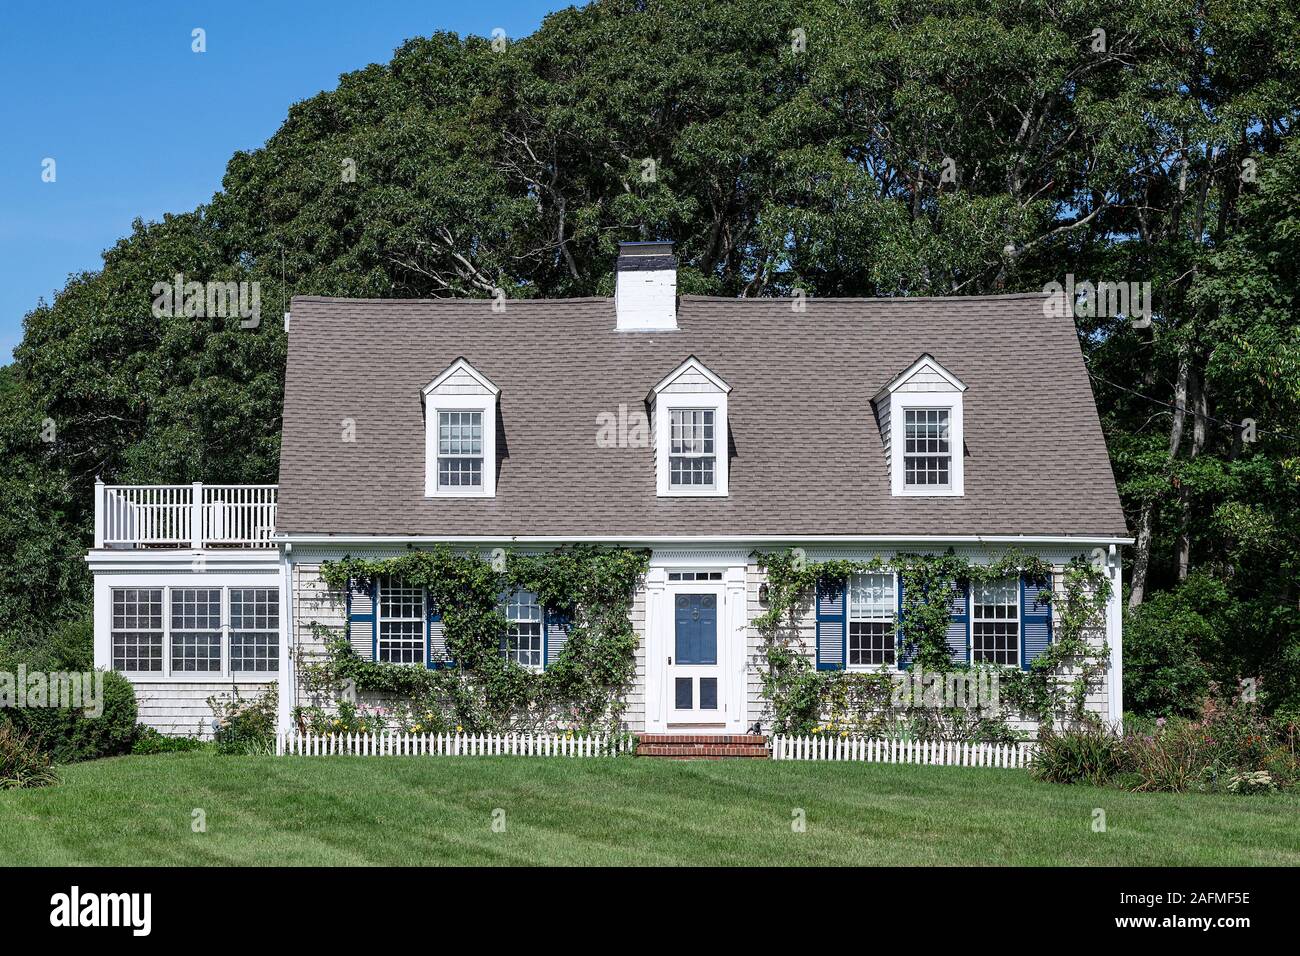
[1055, 687]
[479, 689]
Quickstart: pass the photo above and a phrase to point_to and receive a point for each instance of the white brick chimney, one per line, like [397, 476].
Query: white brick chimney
[645, 293]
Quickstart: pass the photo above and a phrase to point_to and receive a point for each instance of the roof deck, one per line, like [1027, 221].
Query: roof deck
[192, 517]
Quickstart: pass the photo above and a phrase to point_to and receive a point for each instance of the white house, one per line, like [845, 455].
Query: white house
[846, 427]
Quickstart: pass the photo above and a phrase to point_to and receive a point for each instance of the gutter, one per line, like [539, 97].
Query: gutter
[766, 540]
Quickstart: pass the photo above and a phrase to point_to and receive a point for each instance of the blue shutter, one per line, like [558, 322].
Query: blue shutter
[555, 634]
[435, 641]
[830, 625]
[1035, 620]
[361, 620]
[959, 624]
[904, 651]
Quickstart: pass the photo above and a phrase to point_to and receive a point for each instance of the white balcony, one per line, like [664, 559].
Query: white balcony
[193, 516]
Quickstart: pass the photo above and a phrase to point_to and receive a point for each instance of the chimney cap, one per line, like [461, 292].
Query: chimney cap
[642, 256]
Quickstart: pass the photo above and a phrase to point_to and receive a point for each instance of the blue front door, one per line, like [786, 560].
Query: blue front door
[696, 629]
[694, 674]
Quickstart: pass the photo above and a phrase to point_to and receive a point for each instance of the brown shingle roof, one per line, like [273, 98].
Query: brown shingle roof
[807, 452]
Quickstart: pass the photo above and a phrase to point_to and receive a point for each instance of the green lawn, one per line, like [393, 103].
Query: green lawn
[354, 810]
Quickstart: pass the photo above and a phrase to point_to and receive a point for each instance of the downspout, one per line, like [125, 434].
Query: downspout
[1115, 637]
[288, 679]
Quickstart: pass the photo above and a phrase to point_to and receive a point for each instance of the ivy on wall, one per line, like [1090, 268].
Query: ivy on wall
[480, 690]
[1054, 688]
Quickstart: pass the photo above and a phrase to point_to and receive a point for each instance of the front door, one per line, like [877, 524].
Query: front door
[695, 692]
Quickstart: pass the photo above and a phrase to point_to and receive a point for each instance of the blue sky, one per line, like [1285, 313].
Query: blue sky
[138, 124]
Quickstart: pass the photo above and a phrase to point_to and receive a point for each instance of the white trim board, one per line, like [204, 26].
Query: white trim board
[634, 540]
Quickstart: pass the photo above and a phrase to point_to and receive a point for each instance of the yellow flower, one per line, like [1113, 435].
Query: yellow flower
[844, 733]
[459, 728]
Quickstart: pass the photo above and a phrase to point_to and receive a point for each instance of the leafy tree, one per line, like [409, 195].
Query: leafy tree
[854, 148]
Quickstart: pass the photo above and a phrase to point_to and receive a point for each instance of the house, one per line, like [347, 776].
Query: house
[708, 430]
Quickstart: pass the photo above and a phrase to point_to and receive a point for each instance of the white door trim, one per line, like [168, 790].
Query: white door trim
[732, 630]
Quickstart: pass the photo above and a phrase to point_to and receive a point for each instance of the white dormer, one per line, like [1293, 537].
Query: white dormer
[460, 434]
[690, 415]
[920, 415]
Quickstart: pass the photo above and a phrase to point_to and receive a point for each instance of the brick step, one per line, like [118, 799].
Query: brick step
[753, 740]
[703, 746]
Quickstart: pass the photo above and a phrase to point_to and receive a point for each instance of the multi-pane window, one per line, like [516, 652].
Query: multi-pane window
[995, 622]
[196, 629]
[460, 449]
[692, 454]
[185, 632]
[927, 451]
[871, 606]
[522, 642]
[137, 632]
[254, 629]
[401, 623]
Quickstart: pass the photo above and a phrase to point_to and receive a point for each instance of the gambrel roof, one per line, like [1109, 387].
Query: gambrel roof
[807, 456]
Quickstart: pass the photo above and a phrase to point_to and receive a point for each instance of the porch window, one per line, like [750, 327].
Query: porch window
[400, 637]
[196, 629]
[522, 642]
[692, 455]
[927, 451]
[137, 631]
[872, 606]
[254, 629]
[995, 622]
[460, 449]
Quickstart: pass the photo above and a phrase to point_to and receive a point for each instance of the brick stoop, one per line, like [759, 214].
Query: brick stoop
[702, 746]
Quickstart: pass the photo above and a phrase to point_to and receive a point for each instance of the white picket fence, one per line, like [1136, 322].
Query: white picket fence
[946, 753]
[395, 744]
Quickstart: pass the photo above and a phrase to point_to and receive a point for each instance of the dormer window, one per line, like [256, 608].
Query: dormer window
[927, 450]
[692, 457]
[690, 415]
[460, 434]
[920, 415]
[460, 450]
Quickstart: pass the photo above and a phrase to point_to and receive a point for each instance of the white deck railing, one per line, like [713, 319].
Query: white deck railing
[184, 516]
[937, 752]
[396, 744]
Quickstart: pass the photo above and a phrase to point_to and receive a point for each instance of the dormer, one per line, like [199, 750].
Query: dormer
[690, 415]
[920, 415]
[460, 434]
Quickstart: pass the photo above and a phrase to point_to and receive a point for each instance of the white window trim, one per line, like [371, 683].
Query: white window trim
[690, 401]
[848, 620]
[514, 622]
[460, 403]
[424, 627]
[1019, 622]
[899, 404]
[485, 402]
[664, 404]
[167, 673]
[231, 631]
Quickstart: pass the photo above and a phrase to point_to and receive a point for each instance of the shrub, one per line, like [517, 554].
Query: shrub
[1164, 643]
[245, 725]
[1231, 747]
[69, 647]
[22, 764]
[1258, 781]
[1090, 755]
[67, 734]
[149, 741]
